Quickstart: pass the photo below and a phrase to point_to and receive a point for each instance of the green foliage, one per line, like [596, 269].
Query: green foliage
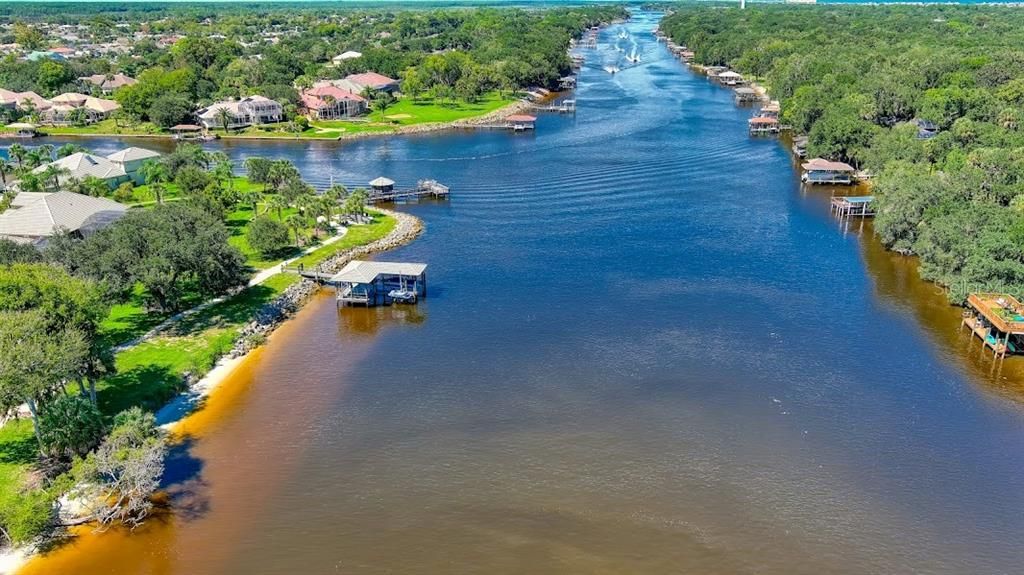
[170, 110]
[25, 514]
[70, 425]
[267, 236]
[854, 77]
[172, 250]
[13, 252]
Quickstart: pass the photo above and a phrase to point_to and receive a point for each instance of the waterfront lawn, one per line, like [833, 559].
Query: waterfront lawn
[129, 319]
[150, 373]
[104, 127]
[143, 194]
[409, 111]
[379, 226]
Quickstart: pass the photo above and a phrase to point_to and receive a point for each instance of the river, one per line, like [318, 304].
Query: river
[646, 349]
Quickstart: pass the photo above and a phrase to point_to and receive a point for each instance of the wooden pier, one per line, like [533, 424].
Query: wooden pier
[853, 206]
[563, 107]
[383, 190]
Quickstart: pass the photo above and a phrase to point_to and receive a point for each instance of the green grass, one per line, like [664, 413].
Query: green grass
[356, 236]
[149, 374]
[129, 319]
[428, 111]
[104, 127]
[238, 224]
[18, 451]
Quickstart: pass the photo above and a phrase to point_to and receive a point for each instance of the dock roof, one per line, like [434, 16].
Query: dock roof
[1003, 310]
[382, 182]
[363, 272]
[821, 164]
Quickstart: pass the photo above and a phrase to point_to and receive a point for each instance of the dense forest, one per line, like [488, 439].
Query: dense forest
[855, 79]
[218, 54]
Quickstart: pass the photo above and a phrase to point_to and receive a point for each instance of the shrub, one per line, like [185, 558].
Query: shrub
[70, 425]
[267, 236]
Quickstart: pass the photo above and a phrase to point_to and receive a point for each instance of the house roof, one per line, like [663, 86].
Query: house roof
[362, 272]
[382, 182]
[131, 154]
[109, 81]
[8, 97]
[81, 164]
[824, 165]
[314, 97]
[74, 212]
[23, 199]
[70, 99]
[101, 105]
[371, 80]
[349, 55]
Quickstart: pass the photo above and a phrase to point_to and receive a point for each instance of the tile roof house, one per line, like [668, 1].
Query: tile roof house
[21, 100]
[107, 83]
[132, 159]
[331, 102]
[81, 164]
[43, 215]
[373, 81]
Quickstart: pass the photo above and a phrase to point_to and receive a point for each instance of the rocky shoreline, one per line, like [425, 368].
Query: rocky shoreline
[273, 313]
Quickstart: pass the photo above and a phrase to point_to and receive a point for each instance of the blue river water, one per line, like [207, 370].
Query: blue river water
[646, 349]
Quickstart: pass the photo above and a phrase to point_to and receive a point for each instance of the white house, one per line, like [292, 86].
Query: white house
[81, 164]
[350, 55]
[131, 160]
[241, 113]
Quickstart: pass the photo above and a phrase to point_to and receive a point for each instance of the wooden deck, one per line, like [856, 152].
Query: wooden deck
[996, 318]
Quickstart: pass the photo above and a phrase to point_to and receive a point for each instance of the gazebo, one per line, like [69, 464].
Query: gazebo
[521, 121]
[382, 186]
[23, 129]
[186, 131]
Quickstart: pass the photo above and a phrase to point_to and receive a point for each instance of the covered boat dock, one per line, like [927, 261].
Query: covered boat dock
[369, 284]
[997, 319]
[822, 171]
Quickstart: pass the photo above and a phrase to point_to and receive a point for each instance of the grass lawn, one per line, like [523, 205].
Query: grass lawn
[18, 451]
[104, 127]
[410, 112]
[149, 374]
[238, 223]
[356, 236]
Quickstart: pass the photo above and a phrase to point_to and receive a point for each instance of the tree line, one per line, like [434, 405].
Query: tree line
[857, 79]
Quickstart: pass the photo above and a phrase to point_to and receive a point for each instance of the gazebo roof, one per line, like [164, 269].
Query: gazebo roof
[382, 182]
[827, 165]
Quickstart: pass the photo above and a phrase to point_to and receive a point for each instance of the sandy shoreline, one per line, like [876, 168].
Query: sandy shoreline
[175, 412]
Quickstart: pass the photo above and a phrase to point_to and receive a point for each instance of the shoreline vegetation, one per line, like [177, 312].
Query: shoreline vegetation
[929, 100]
[268, 305]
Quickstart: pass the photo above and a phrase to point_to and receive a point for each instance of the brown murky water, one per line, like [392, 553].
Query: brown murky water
[639, 355]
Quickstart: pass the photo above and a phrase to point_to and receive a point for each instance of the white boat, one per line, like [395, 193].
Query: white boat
[633, 56]
[402, 296]
[611, 69]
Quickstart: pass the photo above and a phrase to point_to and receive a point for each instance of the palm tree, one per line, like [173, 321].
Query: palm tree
[18, 152]
[155, 174]
[224, 172]
[5, 168]
[158, 189]
[279, 203]
[295, 222]
[52, 173]
[31, 183]
[252, 198]
[68, 149]
[224, 116]
[46, 151]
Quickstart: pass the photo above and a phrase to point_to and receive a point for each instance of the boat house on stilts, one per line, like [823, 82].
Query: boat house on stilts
[380, 283]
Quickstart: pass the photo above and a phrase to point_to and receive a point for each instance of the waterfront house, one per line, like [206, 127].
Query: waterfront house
[72, 99]
[372, 81]
[34, 219]
[79, 165]
[70, 106]
[24, 101]
[241, 113]
[822, 171]
[329, 102]
[998, 320]
[131, 161]
[107, 83]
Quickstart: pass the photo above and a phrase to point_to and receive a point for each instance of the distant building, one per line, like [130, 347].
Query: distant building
[107, 83]
[37, 217]
[350, 55]
[65, 109]
[242, 113]
[331, 103]
[23, 101]
[131, 160]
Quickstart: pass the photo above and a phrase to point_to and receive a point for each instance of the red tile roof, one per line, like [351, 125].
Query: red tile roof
[314, 97]
[521, 118]
[371, 79]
